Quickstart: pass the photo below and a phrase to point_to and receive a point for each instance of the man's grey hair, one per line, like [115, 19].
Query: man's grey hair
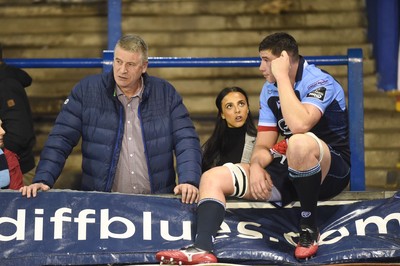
[133, 43]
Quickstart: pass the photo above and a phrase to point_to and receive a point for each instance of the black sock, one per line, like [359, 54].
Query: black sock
[307, 184]
[210, 215]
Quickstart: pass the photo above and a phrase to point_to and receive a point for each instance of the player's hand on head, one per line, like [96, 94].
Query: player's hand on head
[280, 66]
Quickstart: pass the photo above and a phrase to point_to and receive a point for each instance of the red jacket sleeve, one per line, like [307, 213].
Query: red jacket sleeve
[16, 177]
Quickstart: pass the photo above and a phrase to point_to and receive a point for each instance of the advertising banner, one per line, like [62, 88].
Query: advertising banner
[62, 227]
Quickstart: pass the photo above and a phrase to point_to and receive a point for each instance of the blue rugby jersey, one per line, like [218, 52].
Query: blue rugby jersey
[316, 87]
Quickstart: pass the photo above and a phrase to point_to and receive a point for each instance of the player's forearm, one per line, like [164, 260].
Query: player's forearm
[293, 111]
[261, 156]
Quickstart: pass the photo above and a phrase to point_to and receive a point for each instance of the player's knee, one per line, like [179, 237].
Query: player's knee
[298, 147]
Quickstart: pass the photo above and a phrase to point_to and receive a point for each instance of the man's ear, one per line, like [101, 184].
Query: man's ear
[145, 65]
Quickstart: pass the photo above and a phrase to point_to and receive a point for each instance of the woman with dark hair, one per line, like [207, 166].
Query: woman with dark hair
[234, 133]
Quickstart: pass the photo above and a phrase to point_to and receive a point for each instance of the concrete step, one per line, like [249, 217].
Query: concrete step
[382, 178]
[33, 50]
[381, 120]
[174, 7]
[382, 158]
[382, 139]
[379, 101]
[241, 7]
[251, 50]
[223, 38]
[188, 23]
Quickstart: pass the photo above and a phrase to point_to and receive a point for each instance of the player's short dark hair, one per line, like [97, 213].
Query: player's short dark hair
[278, 42]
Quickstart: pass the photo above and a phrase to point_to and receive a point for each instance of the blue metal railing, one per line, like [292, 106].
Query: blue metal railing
[353, 60]
[106, 61]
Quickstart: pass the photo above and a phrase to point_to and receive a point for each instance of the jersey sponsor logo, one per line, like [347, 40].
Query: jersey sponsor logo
[320, 83]
[305, 214]
[318, 93]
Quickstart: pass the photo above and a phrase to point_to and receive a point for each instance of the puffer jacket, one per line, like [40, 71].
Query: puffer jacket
[15, 112]
[93, 112]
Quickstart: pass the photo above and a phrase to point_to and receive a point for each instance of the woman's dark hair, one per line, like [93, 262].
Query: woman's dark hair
[215, 144]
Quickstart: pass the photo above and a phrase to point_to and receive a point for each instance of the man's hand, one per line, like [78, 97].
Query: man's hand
[190, 194]
[260, 183]
[32, 189]
[280, 66]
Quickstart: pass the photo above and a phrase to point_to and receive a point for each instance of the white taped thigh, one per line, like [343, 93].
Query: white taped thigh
[239, 180]
[321, 149]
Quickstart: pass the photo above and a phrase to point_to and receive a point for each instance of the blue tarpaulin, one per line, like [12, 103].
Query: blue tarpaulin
[82, 228]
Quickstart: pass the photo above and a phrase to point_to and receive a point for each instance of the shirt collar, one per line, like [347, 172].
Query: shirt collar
[139, 93]
[302, 64]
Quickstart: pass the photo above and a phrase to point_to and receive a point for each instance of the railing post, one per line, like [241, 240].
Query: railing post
[356, 118]
[114, 22]
[108, 58]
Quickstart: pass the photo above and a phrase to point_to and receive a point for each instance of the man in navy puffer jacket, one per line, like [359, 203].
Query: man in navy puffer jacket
[131, 125]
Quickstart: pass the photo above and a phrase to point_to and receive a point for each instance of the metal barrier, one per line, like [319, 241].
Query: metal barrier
[353, 60]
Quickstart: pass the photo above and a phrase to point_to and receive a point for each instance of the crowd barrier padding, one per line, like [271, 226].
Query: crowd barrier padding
[62, 227]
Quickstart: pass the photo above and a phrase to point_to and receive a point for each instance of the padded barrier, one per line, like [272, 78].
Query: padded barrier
[61, 227]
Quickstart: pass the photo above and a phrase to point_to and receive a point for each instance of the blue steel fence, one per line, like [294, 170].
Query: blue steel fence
[353, 60]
